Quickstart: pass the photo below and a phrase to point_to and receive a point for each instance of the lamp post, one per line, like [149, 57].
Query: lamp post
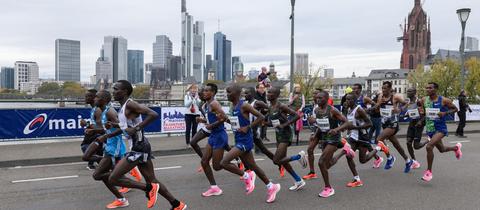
[292, 44]
[463, 15]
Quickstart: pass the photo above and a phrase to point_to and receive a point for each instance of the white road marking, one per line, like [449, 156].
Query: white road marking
[44, 179]
[170, 167]
[454, 142]
[259, 159]
[48, 165]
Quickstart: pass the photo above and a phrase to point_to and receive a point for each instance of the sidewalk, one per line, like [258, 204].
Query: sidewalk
[65, 151]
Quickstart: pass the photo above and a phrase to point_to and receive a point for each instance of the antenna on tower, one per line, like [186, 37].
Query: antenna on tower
[218, 24]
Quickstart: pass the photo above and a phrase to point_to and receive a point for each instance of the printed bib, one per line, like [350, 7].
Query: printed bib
[275, 123]
[323, 124]
[413, 113]
[234, 122]
[432, 113]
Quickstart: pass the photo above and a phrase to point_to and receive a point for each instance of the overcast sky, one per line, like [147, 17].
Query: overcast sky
[347, 35]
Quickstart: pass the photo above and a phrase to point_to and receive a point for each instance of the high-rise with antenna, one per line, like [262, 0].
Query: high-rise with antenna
[193, 46]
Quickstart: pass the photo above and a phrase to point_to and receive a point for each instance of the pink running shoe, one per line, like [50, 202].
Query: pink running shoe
[377, 162]
[348, 150]
[250, 182]
[272, 192]
[427, 176]
[415, 165]
[213, 191]
[458, 152]
[327, 192]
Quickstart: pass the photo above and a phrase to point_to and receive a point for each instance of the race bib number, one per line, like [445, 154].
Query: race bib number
[234, 122]
[323, 124]
[413, 113]
[386, 112]
[432, 113]
[354, 135]
[350, 118]
[275, 123]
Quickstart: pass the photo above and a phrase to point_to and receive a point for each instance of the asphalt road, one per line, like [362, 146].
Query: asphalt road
[455, 185]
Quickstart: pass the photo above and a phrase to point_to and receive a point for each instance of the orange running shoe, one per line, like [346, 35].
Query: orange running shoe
[310, 176]
[241, 166]
[152, 195]
[182, 206]
[355, 183]
[383, 147]
[124, 190]
[118, 204]
[136, 173]
[282, 171]
[344, 141]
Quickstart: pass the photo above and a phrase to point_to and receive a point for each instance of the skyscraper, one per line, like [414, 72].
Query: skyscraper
[7, 78]
[328, 73]
[208, 65]
[193, 46]
[147, 78]
[67, 60]
[174, 67]
[301, 64]
[471, 44]
[135, 66]
[223, 57]
[237, 65]
[115, 49]
[103, 70]
[162, 49]
[25, 71]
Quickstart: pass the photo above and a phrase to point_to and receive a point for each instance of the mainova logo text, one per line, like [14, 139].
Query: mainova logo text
[53, 124]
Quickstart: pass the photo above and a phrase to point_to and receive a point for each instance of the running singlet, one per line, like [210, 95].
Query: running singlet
[218, 138]
[115, 147]
[413, 113]
[434, 122]
[92, 116]
[325, 122]
[357, 134]
[386, 112]
[202, 126]
[360, 102]
[276, 117]
[243, 141]
[140, 146]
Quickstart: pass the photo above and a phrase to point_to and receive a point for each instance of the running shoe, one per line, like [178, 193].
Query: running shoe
[124, 190]
[250, 182]
[458, 152]
[182, 206]
[213, 191]
[390, 162]
[310, 176]
[427, 176]
[327, 192]
[303, 159]
[298, 185]
[117, 203]
[272, 192]
[344, 141]
[152, 195]
[282, 171]
[415, 164]
[355, 183]
[136, 173]
[240, 165]
[377, 162]
[408, 166]
[383, 147]
[348, 150]
[91, 167]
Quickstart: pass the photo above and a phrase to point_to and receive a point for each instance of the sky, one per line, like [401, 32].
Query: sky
[347, 35]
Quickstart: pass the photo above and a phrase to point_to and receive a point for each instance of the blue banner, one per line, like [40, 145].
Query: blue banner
[35, 123]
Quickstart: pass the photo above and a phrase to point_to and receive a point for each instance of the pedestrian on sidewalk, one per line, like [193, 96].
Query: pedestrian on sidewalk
[191, 102]
[462, 113]
[297, 103]
[261, 95]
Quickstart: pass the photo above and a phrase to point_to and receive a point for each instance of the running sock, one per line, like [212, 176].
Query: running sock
[408, 160]
[357, 178]
[213, 186]
[245, 175]
[122, 199]
[295, 176]
[175, 203]
[389, 157]
[295, 157]
[270, 184]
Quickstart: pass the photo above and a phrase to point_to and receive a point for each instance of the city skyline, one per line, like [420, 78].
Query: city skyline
[345, 44]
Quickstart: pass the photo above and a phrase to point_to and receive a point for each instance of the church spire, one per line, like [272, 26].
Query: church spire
[417, 2]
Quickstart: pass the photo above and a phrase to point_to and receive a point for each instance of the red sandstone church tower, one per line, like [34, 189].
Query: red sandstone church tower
[416, 38]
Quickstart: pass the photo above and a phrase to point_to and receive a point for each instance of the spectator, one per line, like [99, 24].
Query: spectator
[462, 116]
[297, 103]
[262, 76]
[261, 95]
[191, 102]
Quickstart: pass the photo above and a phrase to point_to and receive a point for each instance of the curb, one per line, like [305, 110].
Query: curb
[158, 153]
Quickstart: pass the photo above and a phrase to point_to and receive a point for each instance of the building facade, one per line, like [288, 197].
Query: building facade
[115, 49]
[398, 78]
[340, 84]
[162, 49]
[147, 77]
[135, 66]
[174, 67]
[67, 60]
[328, 73]
[7, 78]
[416, 38]
[223, 57]
[193, 46]
[103, 70]
[25, 71]
[301, 64]
[471, 43]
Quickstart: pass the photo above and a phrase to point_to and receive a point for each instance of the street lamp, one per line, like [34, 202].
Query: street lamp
[463, 15]
[292, 44]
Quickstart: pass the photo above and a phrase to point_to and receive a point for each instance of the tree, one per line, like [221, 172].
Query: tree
[311, 82]
[141, 92]
[472, 84]
[72, 89]
[419, 79]
[447, 75]
[49, 89]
